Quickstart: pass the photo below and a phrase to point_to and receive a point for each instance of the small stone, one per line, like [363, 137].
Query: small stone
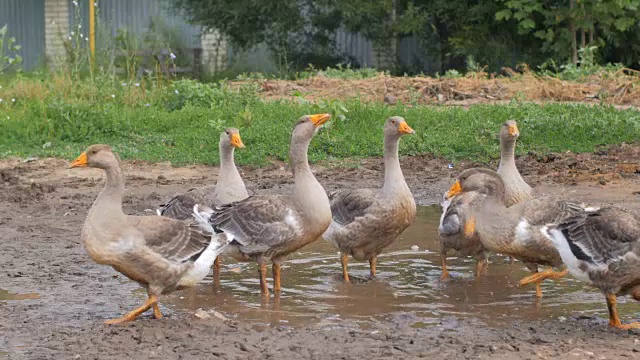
[440, 97]
[31, 159]
[415, 247]
[218, 315]
[602, 180]
[390, 99]
[562, 318]
[493, 348]
[201, 314]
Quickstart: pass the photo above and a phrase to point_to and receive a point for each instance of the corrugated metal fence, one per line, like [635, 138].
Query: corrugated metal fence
[139, 17]
[25, 22]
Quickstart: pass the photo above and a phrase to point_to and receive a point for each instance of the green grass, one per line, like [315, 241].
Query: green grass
[180, 122]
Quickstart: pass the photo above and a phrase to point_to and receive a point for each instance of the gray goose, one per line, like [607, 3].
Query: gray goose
[365, 221]
[266, 228]
[516, 189]
[450, 233]
[516, 230]
[159, 253]
[602, 247]
[229, 187]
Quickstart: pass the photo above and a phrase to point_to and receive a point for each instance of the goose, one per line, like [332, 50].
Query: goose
[450, 234]
[267, 228]
[229, 187]
[515, 230]
[159, 253]
[601, 246]
[516, 189]
[365, 221]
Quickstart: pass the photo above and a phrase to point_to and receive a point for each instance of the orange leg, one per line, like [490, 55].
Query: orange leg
[539, 277]
[151, 301]
[216, 265]
[156, 309]
[372, 266]
[276, 277]
[614, 319]
[345, 272]
[264, 288]
[481, 266]
[445, 272]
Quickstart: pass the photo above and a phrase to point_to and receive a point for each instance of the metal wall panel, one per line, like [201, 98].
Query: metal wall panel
[25, 22]
[137, 17]
[355, 46]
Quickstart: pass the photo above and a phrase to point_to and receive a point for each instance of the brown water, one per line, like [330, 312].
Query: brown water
[408, 287]
[7, 295]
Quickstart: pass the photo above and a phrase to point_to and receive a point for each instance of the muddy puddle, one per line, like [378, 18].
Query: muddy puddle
[408, 286]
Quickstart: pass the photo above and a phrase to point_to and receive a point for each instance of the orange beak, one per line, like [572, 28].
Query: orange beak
[80, 161]
[319, 119]
[404, 128]
[513, 131]
[454, 190]
[236, 141]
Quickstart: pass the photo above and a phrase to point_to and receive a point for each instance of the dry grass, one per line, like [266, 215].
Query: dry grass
[619, 88]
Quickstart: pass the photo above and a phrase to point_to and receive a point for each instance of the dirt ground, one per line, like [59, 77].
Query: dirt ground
[43, 205]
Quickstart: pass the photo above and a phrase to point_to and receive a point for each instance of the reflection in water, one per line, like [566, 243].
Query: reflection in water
[6, 295]
[408, 286]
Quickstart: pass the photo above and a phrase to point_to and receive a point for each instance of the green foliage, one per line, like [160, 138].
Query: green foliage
[193, 93]
[9, 57]
[557, 23]
[153, 122]
[588, 67]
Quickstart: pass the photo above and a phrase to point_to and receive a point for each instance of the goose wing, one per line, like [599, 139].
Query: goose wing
[258, 222]
[175, 240]
[347, 205]
[181, 206]
[602, 236]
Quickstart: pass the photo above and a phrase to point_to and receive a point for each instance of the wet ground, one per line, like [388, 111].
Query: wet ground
[53, 298]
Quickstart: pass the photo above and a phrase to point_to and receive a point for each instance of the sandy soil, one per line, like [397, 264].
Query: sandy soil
[66, 296]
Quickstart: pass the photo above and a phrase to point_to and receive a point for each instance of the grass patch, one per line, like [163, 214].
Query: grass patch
[181, 121]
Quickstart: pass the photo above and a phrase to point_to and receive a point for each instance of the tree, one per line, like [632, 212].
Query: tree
[558, 22]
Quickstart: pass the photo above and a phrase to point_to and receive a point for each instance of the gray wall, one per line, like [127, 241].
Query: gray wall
[136, 16]
[25, 22]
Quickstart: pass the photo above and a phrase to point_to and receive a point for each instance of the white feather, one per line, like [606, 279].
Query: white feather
[202, 214]
[202, 265]
[158, 212]
[290, 219]
[522, 231]
[570, 260]
[219, 242]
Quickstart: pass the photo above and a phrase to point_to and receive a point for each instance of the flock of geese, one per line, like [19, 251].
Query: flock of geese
[484, 212]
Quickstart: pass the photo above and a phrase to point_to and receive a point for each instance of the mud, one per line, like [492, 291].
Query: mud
[53, 298]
